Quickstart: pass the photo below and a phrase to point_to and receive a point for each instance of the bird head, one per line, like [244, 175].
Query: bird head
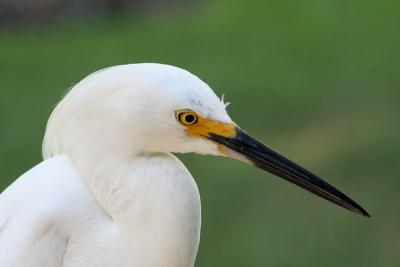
[155, 108]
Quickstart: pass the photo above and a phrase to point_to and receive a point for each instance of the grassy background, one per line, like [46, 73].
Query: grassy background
[317, 80]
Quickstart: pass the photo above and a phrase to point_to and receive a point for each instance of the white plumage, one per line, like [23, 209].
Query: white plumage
[112, 195]
[109, 192]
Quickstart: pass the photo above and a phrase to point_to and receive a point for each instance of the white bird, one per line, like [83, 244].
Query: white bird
[109, 192]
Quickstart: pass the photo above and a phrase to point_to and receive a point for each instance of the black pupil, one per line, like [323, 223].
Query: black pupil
[189, 118]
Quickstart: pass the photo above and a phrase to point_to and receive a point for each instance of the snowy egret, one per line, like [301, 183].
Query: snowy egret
[109, 192]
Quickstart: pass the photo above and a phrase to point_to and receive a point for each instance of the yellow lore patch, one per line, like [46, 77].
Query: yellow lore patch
[198, 126]
[205, 126]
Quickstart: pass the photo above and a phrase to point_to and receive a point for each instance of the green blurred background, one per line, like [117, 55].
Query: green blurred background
[317, 80]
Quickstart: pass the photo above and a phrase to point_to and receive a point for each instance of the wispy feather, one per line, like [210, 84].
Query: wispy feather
[226, 104]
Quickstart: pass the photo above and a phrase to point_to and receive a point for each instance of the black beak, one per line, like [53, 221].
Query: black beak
[265, 158]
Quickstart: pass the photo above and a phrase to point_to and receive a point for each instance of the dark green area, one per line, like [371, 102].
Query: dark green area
[317, 80]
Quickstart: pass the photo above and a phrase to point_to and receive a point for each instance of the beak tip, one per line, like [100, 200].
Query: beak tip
[363, 212]
[354, 207]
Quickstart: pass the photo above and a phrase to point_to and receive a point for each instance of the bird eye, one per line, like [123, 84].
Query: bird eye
[187, 117]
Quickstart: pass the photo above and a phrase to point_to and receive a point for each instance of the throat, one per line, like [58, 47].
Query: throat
[153, 186]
